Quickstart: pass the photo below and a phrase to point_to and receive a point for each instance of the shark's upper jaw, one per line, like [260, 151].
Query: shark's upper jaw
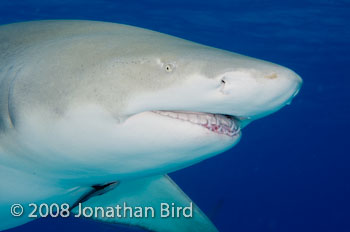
[217, 123]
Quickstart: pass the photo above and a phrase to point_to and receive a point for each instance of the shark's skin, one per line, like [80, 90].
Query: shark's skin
[80, 102]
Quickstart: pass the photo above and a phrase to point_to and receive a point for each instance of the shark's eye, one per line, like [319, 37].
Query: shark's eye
[169, 67]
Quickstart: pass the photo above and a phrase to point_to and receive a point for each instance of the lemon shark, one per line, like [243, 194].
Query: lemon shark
[96, 114]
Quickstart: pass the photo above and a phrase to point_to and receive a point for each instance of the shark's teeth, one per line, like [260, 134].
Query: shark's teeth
[218, 123]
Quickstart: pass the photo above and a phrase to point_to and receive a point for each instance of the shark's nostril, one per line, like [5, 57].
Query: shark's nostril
[271, 76]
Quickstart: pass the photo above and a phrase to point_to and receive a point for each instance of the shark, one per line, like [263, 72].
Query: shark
[96, 114]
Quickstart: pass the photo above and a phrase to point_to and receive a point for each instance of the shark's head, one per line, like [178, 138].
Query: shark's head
[151, 103]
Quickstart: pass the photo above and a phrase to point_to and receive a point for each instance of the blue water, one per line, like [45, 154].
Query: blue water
[290, 172]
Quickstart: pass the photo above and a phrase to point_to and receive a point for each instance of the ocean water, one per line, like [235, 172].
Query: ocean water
[290, 171]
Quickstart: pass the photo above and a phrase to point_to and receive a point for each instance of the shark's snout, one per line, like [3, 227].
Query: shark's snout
[292, 84]
[255, 93]
[297, 82]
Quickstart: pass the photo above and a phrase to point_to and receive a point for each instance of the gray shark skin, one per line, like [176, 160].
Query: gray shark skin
[98, 113]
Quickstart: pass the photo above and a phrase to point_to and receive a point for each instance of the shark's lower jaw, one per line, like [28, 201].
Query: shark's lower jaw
[217, 123]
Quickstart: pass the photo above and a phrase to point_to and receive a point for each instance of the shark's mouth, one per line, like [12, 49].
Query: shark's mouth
[218, 123]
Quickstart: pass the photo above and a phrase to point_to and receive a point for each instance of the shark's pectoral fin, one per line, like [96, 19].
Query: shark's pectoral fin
[157, 193]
